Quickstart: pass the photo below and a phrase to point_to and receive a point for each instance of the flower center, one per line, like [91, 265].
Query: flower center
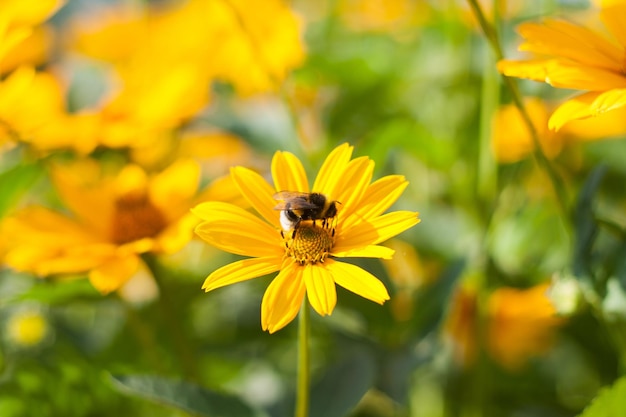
[136, 218]
[310, 243]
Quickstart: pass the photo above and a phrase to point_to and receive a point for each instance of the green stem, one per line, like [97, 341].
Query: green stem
[302, 395]
[542, 160]
[167, 307]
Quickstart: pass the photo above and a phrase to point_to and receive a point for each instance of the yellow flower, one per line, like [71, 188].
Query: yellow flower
[29, 100]
[116, 219]
[17, 18]
[522, 324]
[511, 140]
[578, 58]
[26, 328]
[306, 257]
[519, 324]
[253, 45]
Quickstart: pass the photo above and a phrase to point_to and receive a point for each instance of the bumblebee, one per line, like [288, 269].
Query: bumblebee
[296, 207]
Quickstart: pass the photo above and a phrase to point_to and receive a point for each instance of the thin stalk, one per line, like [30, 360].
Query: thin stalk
[303, 386]
[542, 160]
[183, 351]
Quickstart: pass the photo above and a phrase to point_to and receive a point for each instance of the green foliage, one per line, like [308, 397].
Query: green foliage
[610, 402]
[184, 395]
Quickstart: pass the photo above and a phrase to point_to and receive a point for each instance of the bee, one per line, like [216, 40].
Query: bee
[297, 206]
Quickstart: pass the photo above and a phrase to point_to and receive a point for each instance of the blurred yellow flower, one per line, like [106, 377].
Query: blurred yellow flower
[511, 141]
[384, 15]
[250, 44]
[116, 218]
[29, 100]
[510, 138]
[26, 328]
[305, 256]
[17, 18]
[578, 58]
[520, 324]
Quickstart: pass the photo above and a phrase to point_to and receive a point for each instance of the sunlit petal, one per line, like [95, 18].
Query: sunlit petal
[288, 173]
[114, 273]
[376, 230]
[283, 298]
[379, 196]
[333, 167]
[320, 289]
[236, 230]
[242, 270]
[352, 184]
[175, 185]
[370, 251]
[358, 281]
[258, 193]
[576, 108]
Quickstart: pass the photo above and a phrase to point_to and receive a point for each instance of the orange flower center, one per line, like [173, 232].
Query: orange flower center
[310, 243]
[136, 218]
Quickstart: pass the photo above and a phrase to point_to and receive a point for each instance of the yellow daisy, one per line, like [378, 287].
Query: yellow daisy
[305, 255]
[577, 58]
[116, 218]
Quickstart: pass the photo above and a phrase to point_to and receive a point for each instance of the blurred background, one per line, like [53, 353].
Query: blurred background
[505, 301]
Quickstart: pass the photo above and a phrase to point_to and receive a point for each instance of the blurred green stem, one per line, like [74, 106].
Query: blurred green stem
[168, 311]
[302, 394]
[555, 179]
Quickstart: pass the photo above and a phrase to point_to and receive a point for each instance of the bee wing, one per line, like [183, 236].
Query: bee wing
[290, 195]
[294, 199]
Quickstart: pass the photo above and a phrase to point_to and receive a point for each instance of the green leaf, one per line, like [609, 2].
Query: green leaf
[15, 182]
[610, 402]
[585, 224]
[343, 386]
[47, 292]
[183, 395]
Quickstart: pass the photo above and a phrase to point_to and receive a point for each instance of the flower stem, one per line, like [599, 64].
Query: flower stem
[302, 394]
[542, 160]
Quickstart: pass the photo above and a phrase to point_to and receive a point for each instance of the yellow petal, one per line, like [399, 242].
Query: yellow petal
[320, 288]
[242, 270]
[531, 69]
[235, 230]
[358, 281]
[131, 179]
[563, 74]
[370, 251]
[352, 184]
[614, 18]
[223, 189]
[171, 189]
[564, 39]
[288, 173]
[14, 86]
[89, 195]
[283, 297]
[334, 164]
[177, 234]
[609, 100]
[114, 273]
[576, 108]
[580, 77]
[376, 230]
[380, 195]
[257, 192]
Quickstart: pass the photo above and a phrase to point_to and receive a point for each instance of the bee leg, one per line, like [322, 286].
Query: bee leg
[282, 234]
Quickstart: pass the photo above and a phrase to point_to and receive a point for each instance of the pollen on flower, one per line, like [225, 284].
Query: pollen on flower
[310, 243]
[136, 218]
